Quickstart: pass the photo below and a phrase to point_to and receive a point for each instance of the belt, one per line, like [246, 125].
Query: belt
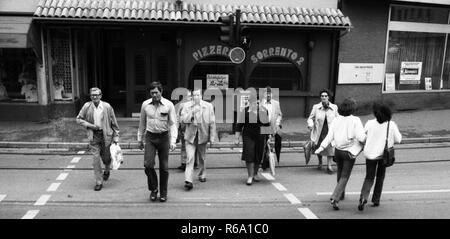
[158, 134]
[98, 131]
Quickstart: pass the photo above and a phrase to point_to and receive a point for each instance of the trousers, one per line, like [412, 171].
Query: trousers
[157, 143]
[100, 153]
[373, 167]
[345, 164]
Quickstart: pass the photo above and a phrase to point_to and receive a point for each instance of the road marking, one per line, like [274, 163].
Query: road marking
[53, 187]
[75, 160]
[393, 192]
[292, 198]
[62, 176]
[69, 167]
[42, 200]
[30, 214]
[279, 187]
[307, 213]
[81, 152]
[2, 196]
[268, 176]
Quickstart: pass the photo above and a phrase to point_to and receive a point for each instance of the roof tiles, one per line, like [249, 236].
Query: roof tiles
[148, 10]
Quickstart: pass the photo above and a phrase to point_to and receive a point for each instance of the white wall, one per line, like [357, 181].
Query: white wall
[22, 6]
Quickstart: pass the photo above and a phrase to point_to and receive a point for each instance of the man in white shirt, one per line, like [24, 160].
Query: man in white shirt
[275, 117]
[99, 119]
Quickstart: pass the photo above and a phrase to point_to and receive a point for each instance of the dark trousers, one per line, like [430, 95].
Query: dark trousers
[157, 143]
[344, 169]
[373, 167]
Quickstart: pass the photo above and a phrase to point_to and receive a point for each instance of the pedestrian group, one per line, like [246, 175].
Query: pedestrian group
[335, 133]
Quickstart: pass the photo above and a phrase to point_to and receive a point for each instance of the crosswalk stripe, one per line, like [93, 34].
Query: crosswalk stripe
[2, 196]
[30, 214]
[42, 200]
[268, 176]
[279, 187]
[62, 176]
[53, 187]
[75, 160]
[393, 192]
[307, 213]
[292, 198]
[81, 152]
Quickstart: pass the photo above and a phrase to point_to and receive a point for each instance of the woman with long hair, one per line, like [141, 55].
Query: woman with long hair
[347, 132]
[377, 130]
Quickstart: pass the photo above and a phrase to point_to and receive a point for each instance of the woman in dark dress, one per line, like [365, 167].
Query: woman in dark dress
[251, 124]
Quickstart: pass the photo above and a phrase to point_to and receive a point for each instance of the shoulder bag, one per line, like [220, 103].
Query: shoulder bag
[388, 158]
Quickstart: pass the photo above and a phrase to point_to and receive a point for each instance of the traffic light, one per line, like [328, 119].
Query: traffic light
[227, 29]
[244, 37]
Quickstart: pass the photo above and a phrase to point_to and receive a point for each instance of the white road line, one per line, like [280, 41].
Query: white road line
[393, 192]
[75, 160]
[279, 187]
[292, 198]
[2, 196]
[53, 187]
[42, 200]
[69, 167]
[62, 176]
[30, 214]
[81, 152]
[267, 176]
[307, 213]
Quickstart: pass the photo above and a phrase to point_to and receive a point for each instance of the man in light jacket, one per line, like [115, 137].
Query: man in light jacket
[198, 115]
[275, 117]
[100, 121]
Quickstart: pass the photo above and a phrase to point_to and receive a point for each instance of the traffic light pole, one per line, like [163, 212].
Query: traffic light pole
[236, 42]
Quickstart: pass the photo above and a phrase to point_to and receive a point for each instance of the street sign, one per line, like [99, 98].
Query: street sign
[237, 55]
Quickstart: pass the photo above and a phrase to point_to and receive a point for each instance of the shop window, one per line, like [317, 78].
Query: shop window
[218, 66]
[60, 54]
[278, 73]
[417, 55]
[17, 75]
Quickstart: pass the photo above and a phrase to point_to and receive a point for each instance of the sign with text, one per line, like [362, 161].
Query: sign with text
[217, 81]
[360, 73]
[410, 72]
[428, 85]
[390, 82]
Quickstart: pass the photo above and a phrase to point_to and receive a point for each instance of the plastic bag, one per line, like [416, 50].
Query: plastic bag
[116, 156]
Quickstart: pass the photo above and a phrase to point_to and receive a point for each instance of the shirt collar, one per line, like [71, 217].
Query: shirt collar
[100, 106]
[161, 101]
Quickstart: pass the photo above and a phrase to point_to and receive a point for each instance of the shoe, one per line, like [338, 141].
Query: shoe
[375, 204]
[188, 185]
[361, 204]
[319, 167]
[256, 178]
[106, 175]
[182, 167]
[153, 195]
[163, 199]
[335, 205]
[98, 187]
[249, 181]
[202, 180]
[330, 170]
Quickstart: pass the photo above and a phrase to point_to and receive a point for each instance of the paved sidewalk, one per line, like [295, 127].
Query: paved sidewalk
[415, 126]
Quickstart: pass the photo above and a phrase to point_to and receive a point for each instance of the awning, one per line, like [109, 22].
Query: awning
[19, 32]
[170, 12]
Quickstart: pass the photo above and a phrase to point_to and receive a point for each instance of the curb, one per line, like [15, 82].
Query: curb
[134, 145]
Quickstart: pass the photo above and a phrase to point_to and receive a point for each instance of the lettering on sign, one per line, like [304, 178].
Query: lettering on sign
[277, 51]
[209, 51]
[217, 81]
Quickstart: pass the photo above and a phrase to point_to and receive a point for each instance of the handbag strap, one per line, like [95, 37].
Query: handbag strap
[387, 135]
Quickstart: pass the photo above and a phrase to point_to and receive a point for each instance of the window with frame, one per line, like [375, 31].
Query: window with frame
[277, 72]
[417, 56]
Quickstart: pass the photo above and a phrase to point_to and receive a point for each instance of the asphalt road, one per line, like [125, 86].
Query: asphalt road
[60, 185]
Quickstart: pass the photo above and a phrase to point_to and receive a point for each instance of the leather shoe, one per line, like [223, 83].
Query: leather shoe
[361, 204]
[249, 181]
[335, 205]
[153, 195]
[106, 175]
[375, 204]
[202, 180]
[163, 199]
[256, 178]
[98, 187]
[188, 185]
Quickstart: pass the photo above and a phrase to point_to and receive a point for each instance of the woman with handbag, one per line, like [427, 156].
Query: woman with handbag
[381, 133]
[254, 125]
[347, 132]
[322, 115]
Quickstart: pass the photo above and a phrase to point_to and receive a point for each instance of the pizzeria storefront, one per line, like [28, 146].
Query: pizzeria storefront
[121, 49]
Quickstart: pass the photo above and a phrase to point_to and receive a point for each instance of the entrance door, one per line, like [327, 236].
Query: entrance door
[141, 77]
[117, 90]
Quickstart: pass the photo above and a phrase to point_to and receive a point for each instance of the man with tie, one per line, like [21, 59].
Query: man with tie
[158, 124]
[100, 121]
[198, 115]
